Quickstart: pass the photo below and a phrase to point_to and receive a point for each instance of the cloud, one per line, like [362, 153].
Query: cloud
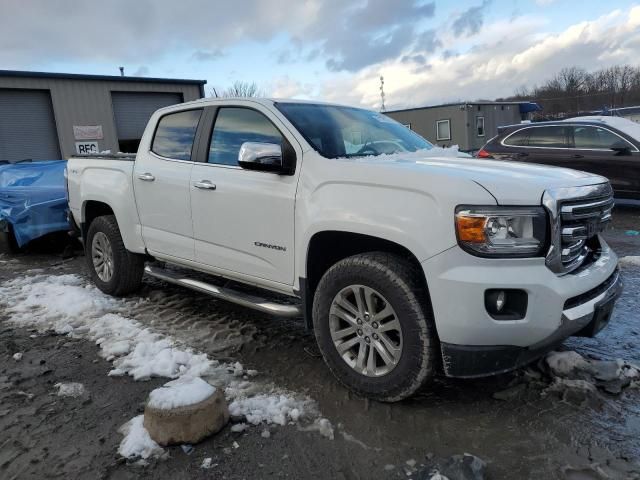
[286, 87]
[207, 55]
[348, 36]
[470, 21]
[142, 71]
[509, 55]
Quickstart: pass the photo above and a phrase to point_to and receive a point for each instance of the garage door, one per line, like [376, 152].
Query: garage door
[132, 111]
[27, 126]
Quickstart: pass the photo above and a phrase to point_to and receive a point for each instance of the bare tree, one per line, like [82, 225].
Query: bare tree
[238, 89]
[573, 90]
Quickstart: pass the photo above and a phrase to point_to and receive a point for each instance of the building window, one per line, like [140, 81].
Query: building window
[443, 130]
[480, 126]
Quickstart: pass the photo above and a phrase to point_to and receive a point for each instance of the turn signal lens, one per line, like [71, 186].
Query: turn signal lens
[471, 229]
[496, 231]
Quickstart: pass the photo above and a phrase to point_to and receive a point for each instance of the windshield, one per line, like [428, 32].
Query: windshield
[336, 131]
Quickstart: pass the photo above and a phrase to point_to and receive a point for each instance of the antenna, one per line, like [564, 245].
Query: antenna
[121, 71]
[382, 107]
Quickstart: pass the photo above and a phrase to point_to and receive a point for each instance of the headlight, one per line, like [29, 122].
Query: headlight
[501, 231]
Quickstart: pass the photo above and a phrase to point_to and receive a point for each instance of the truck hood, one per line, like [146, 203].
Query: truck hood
[511, 183]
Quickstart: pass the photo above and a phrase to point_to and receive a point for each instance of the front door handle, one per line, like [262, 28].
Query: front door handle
[147, 177]
[577, 155]
[205, 185]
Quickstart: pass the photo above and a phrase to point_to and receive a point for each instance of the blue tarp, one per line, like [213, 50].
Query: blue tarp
[33, 198]
[526, 107]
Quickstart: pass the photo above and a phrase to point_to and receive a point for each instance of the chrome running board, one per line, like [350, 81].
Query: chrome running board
[257, 303]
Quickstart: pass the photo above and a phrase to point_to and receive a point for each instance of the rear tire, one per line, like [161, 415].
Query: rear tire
[113, 269]
[8, 242]
[392, 318]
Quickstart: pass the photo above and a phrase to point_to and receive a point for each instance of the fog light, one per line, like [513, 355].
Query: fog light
[500, 299]
[507, 304]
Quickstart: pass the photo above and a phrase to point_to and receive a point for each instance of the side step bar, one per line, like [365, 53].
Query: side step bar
[246, 300]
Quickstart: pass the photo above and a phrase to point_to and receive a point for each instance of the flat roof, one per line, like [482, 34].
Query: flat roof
[109, 78]
[454, 104]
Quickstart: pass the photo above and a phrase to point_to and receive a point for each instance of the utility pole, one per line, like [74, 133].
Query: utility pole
[382, 107]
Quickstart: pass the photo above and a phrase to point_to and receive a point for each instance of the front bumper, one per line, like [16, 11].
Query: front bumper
[474, 344]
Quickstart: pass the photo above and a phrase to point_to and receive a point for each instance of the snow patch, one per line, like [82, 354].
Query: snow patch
[571, 370]
[630, 261]
[322, 426]
[182, 392]
[239, 427]
[67, 305]
[276, 409]
[564, 363]
[136, 442]
[71, 389]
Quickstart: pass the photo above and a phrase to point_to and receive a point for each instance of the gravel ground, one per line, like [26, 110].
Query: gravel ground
[510, 421]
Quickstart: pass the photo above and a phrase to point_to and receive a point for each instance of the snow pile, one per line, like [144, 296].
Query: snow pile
[182, 392]
[269, 408]
[137, 443]
[565, 363]
[435, 152]
[572, 370]
[630, 261]
[322, 426]
[67, 305]
[71, 389]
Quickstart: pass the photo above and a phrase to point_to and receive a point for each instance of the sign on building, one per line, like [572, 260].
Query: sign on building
[87, 132]
[87, 148]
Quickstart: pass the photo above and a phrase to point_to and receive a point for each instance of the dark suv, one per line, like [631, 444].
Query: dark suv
[607, 146]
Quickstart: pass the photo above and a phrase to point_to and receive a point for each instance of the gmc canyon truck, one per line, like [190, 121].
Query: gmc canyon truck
[405, 260]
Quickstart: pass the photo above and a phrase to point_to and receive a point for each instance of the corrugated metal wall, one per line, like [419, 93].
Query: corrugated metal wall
[132, 110]
[27, 127]
[88, 102]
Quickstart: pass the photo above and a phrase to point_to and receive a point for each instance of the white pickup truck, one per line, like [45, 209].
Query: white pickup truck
[405, 260]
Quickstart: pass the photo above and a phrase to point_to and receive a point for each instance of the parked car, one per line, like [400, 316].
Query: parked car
[607, 146]
[404, 264]
[33, 202]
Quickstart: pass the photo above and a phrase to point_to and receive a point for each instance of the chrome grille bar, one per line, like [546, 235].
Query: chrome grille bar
[577, 214]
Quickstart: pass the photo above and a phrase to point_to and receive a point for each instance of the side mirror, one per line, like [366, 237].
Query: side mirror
[621, 148]
[268, 157]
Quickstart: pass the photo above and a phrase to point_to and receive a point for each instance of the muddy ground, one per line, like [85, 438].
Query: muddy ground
[527, 433]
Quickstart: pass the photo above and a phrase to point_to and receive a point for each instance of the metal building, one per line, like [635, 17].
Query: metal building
[47, 116]
[469, 125]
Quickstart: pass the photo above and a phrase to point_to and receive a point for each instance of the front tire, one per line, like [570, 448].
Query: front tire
[113, 269]
[373, 324]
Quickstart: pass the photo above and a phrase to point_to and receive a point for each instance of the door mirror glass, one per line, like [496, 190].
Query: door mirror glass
[266, 157]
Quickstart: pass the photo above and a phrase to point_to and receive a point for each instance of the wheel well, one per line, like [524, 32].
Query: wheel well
[328, 248]
[92, 210]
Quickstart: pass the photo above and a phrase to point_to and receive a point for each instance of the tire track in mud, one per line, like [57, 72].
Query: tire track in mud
[204, 323]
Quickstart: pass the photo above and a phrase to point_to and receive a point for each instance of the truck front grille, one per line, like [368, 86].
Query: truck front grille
[577, 214]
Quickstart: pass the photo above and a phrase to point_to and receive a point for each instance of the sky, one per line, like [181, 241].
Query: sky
[428, 52]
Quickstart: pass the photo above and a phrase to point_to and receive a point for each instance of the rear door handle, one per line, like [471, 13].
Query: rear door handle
[577, 155]
[147, 177]
[205, 185]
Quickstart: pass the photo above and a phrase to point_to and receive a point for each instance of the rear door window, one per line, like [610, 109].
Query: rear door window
[233, 127]
[595, 138]
[518, 139]
[548, 137]
[175, 133]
